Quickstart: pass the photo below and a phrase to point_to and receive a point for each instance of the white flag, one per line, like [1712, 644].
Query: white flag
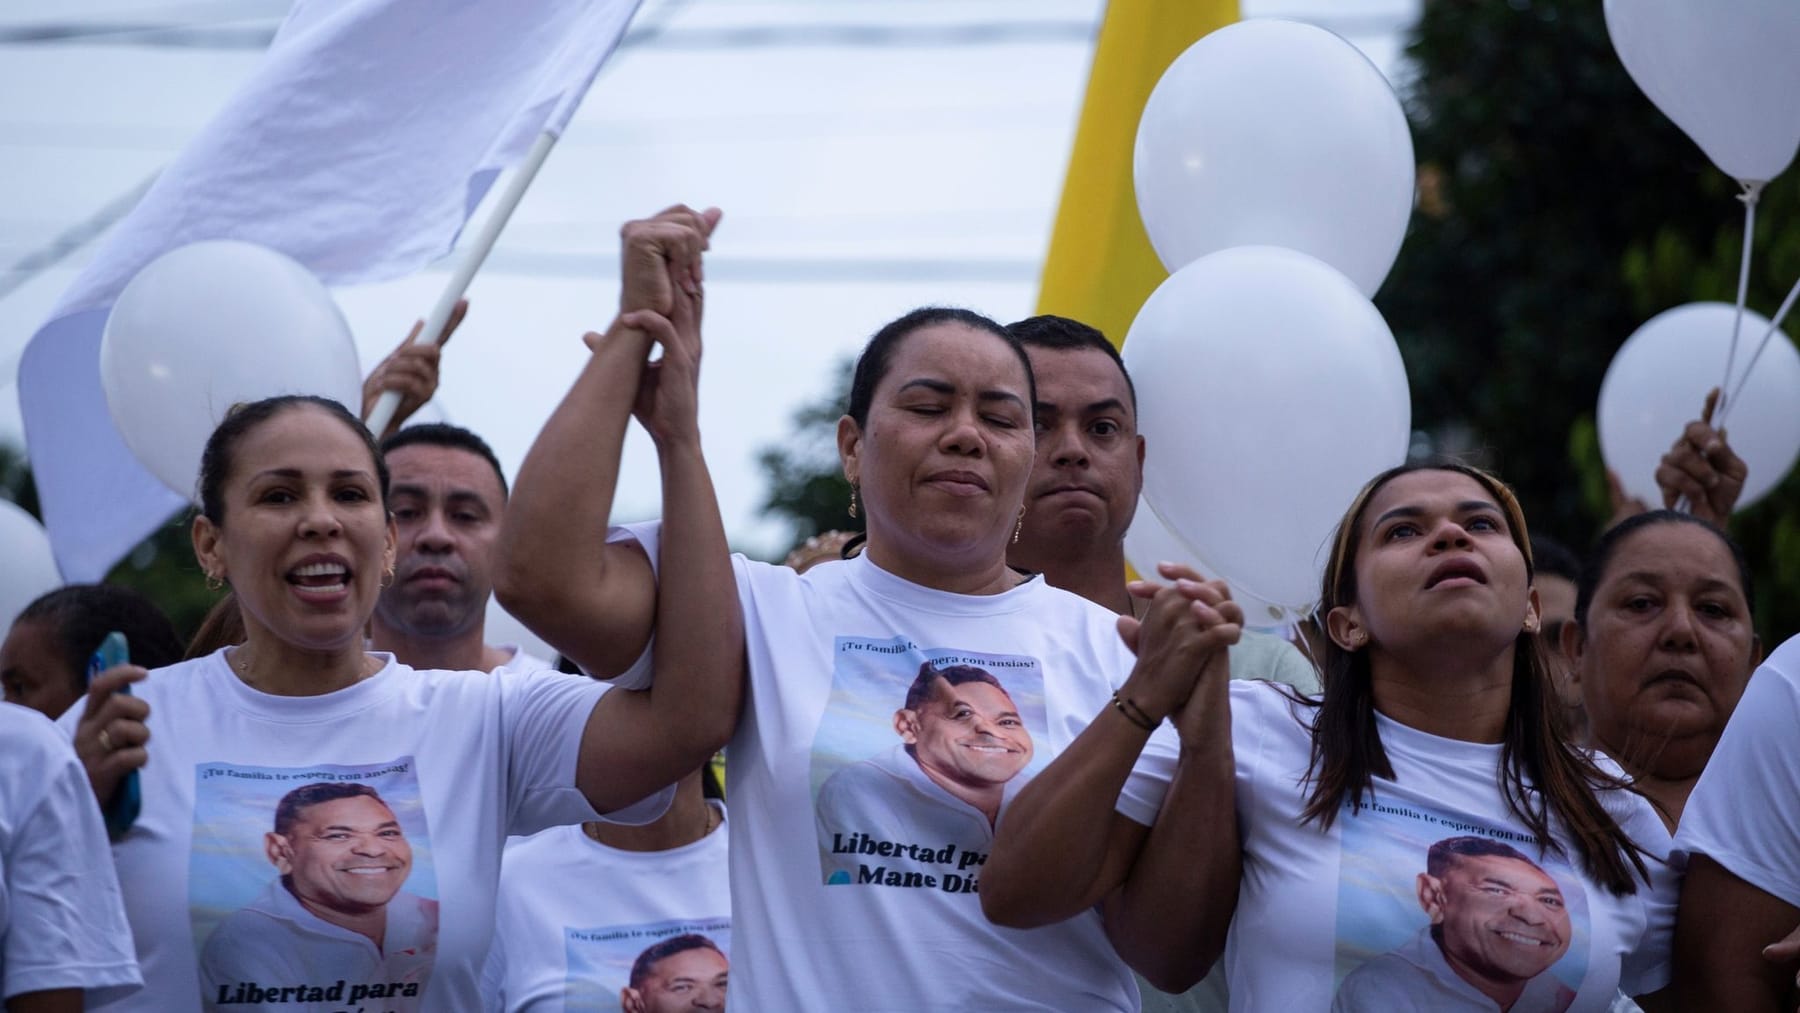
[360, 147]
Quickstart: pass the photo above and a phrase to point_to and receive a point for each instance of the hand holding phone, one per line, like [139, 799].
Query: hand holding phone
[121, 810]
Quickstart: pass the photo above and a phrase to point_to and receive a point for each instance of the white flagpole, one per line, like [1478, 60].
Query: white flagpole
[473, 256]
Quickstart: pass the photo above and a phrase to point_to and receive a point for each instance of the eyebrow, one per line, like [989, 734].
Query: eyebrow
[1466, 506]
[380, 826]
[945, 387]
[454, 496]
[297, 473]
[1706, 583]
[1111, 404]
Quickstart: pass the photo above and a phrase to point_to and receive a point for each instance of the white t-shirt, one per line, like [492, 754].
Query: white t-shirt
[1266, 656]
[62, 922]
[832, 656]
[406, 783]
[1313, 907]
[574, 915]
[1742, 812]
[276, 938]
[522, 660]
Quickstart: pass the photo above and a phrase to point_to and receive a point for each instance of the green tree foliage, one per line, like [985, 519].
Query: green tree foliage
[806, 484]
[1558, 210]
[161, 566]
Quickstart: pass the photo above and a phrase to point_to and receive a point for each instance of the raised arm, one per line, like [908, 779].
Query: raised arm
[1062, 847]
[593, 601]
[637, 742]
[1170, 916]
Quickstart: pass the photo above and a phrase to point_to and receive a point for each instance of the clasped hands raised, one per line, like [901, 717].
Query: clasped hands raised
[1181, 641]
[661, 296]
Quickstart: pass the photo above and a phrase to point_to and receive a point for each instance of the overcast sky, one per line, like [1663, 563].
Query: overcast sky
[870, 156]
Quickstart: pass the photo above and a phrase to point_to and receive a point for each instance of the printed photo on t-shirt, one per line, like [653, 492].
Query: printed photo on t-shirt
[1438, 911]
[662, 967]
[919, 751]
[312, 888]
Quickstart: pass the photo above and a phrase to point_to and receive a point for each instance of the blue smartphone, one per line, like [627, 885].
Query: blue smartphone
[121, 811]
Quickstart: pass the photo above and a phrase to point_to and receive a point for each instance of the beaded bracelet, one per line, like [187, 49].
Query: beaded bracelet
[1133, 713]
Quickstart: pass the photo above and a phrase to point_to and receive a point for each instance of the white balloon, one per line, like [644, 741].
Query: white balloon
[1270, 132]
[1149, 542]
[1270, 390]
[1725, 71]
[206, 326]
[30, 568]
[1657, 384]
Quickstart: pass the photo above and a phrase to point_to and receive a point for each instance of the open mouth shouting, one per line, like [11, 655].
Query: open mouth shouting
[322, 578]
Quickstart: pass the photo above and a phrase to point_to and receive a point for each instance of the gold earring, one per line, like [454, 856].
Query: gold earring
[387, 575]
[1020, 526]
[853, 501]
[213, 583]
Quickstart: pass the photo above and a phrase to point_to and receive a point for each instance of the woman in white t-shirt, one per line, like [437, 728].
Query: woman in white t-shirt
[321, 827]
[1662, 645]
[1422, 836]
[839, 907]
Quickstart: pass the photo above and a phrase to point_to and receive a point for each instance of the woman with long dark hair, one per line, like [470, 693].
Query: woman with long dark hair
[1421, 836]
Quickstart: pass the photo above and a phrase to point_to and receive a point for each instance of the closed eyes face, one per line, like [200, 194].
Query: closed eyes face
[1669, 644]
[943, 461]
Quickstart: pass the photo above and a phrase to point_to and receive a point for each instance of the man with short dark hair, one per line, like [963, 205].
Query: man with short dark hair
[447, 494]
[1084, 486]
[1498, 922]
[336, 911]
[684, 973]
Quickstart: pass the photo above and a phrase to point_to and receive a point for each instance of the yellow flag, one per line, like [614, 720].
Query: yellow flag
[1101, 268]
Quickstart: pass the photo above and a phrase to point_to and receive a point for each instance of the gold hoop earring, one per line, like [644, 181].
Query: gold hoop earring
[853, 501]
[387, 576]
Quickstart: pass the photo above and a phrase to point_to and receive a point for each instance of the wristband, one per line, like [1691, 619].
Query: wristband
[1133, 713]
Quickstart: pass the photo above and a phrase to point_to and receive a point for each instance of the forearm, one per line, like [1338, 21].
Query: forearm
[699, 663]
[1056, 849]
[556, 573]
[1169, 918]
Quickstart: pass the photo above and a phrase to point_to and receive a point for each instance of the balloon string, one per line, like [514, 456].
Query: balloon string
[1751, 191]
[1768, 335]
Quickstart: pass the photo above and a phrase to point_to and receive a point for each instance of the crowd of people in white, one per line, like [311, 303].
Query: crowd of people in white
[970, 764]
